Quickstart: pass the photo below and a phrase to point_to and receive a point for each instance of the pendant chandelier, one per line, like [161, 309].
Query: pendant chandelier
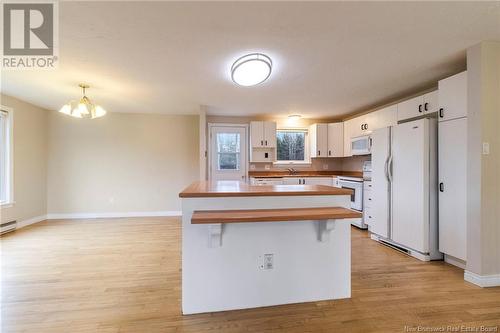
[83, 108]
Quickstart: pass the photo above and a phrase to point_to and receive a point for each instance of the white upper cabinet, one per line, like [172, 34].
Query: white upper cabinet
[453, 97]
[270, 134]
[263, 134]
[257, 134]
[347, 138]
[411, 108]
[336, 140]
[382, 118]
[418, 106]
[318, 137]
[431, 103]
[359, 126]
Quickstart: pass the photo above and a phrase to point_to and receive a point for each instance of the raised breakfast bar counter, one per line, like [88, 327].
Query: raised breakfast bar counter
[208, 189]
[299, 251]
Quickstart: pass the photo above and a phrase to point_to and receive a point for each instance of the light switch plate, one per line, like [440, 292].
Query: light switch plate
[486, 148]
[325, 166]
[267, 261]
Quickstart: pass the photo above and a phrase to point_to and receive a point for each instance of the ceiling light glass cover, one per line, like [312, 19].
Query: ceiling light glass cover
[84, 108]
[251, 69]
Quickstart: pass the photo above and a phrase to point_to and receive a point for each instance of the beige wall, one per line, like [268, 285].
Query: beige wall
[120, 163]
[30, 161]
[483, 171]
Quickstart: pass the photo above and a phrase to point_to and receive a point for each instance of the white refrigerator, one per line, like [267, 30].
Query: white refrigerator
[404, 187]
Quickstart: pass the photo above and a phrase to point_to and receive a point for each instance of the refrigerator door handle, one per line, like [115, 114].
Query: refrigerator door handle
[389, 168]
[386, 168]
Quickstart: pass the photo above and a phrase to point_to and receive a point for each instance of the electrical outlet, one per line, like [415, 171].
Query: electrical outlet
[267, 167]
[325, 166]
[111, 200]
[267, 261]
[252, 166]
[486, 148]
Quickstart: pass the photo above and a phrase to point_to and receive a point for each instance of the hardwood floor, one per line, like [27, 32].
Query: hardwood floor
[123, 275]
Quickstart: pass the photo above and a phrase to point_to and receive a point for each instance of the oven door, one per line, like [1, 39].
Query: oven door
[357, 193]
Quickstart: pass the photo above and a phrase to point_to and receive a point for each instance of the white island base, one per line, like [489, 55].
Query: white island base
[232, 275]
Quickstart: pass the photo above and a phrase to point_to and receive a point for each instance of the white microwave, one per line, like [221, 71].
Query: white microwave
[361, 145]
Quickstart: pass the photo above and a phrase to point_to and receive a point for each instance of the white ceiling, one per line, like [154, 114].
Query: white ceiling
[330, 58]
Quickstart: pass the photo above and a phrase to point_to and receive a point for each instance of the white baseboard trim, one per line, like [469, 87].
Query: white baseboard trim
[454, 261]
[30, 221]
[36, 219]
[482, 280]
[59, 216]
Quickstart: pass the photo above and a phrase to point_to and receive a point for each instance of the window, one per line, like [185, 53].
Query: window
[5, 156]
[292, 146]
[228, 151]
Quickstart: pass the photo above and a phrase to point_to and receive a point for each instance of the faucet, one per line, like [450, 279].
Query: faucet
[292, 171]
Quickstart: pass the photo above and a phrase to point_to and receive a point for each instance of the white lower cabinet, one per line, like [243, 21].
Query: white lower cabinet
[308, 181]
[367, 202]
[319, 181]
[453, 188]
[292, 180]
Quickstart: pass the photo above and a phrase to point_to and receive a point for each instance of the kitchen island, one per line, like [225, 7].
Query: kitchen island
[247, 246]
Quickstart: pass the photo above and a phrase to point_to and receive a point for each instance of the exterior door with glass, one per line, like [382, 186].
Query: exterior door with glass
[228, 153]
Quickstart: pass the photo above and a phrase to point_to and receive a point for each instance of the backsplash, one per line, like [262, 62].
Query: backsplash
[353, 163]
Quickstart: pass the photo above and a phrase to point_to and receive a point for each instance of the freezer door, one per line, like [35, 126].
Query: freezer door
[410, 187]
[381, 189]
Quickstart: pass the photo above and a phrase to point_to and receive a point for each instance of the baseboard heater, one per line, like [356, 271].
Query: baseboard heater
[8, 227]
[395, 247]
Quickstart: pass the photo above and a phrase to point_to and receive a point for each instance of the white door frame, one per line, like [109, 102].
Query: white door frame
[209, 140]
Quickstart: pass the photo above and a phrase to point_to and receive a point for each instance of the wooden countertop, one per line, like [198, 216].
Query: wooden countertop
[272, 215]
[286, 173]
[208, 189]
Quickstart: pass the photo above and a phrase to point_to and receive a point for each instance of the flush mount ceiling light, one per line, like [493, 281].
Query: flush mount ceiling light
[294, 116]
[84, 108]
[251, 69]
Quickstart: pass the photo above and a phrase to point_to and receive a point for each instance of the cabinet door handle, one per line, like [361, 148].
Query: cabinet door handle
[366, 126]
[362, 126]
[261, 142]
[266, 142]
[426, 106]
[420, 108]
[441, 113]
[329, 153]
[441, 187]
[319, 152]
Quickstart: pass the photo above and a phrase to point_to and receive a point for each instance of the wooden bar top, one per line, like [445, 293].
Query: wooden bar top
[272, 215]
[209, 189]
